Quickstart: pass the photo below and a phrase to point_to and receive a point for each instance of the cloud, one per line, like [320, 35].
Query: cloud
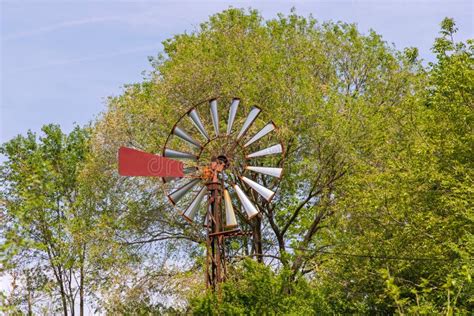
[60, 26]
[89, 58]
[153, 16]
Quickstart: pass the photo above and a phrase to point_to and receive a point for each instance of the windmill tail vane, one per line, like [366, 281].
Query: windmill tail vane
[225, 168]
[133, 162]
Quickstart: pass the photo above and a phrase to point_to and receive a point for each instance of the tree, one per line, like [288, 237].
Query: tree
[329, 88]
[56, 242]
[40, 193]
[404, 235]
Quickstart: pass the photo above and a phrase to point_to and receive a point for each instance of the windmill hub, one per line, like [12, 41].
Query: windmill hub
[222, 160]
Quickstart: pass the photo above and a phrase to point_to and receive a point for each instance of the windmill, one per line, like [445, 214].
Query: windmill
[213, 174]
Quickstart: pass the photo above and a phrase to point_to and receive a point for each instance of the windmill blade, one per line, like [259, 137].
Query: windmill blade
[194, 116]
[179, 193]
[230, 220]
[275, 149]
[132, 162]
[171, 153]
[185, 136]
[264, 131]
[215, 116]
[206, 218]
[267, 194]
[274, 172]
[186, 171]
[190, 170]
[191, 210]
[249, 208]
[254, 112]
[232, 112]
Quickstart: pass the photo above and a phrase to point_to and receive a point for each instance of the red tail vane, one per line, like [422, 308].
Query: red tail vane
[134, 162]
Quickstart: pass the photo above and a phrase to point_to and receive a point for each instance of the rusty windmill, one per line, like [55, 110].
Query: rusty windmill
[206, 173]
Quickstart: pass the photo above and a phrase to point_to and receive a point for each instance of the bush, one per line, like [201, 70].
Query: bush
[254, 289]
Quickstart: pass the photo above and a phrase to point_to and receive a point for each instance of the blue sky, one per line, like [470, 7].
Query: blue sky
[61, 59]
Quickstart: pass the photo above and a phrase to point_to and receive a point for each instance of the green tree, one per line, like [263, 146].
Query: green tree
[43, 219]
[295, 68]
[57, 243]
[406, 213]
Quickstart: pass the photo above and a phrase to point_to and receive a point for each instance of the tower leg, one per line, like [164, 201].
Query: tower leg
[215, 241]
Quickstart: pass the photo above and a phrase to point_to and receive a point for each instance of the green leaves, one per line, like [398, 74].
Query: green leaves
[46, 208]
[409, 194]
[255, 289]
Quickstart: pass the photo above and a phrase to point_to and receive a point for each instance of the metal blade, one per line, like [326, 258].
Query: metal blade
[190, 170]
[171, 153]
[179, 193]
[275, 149]
[186, 171]
[191, 210]
[194, 116]
[267, 194]
[230, 220]
[185, 136]
[274, 172]
[232, 112]
[206, 217]
[249, 208]
[132, 162]
[215, 116]
[254, 112]
[264, 131]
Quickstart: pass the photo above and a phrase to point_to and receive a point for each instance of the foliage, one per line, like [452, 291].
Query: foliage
[44, 236]
[408, 209]
[295, 68]
[254, 289]
[56, 245]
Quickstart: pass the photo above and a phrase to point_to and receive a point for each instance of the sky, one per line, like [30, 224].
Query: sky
[60, 60]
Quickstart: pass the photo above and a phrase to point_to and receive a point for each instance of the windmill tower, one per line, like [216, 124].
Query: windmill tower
[206, 176]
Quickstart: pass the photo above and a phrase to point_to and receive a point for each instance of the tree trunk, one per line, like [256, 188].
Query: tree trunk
[257, 239]
[29, 290]
[81, 282]
[63, 296]
[59, 279]
[298, 262]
